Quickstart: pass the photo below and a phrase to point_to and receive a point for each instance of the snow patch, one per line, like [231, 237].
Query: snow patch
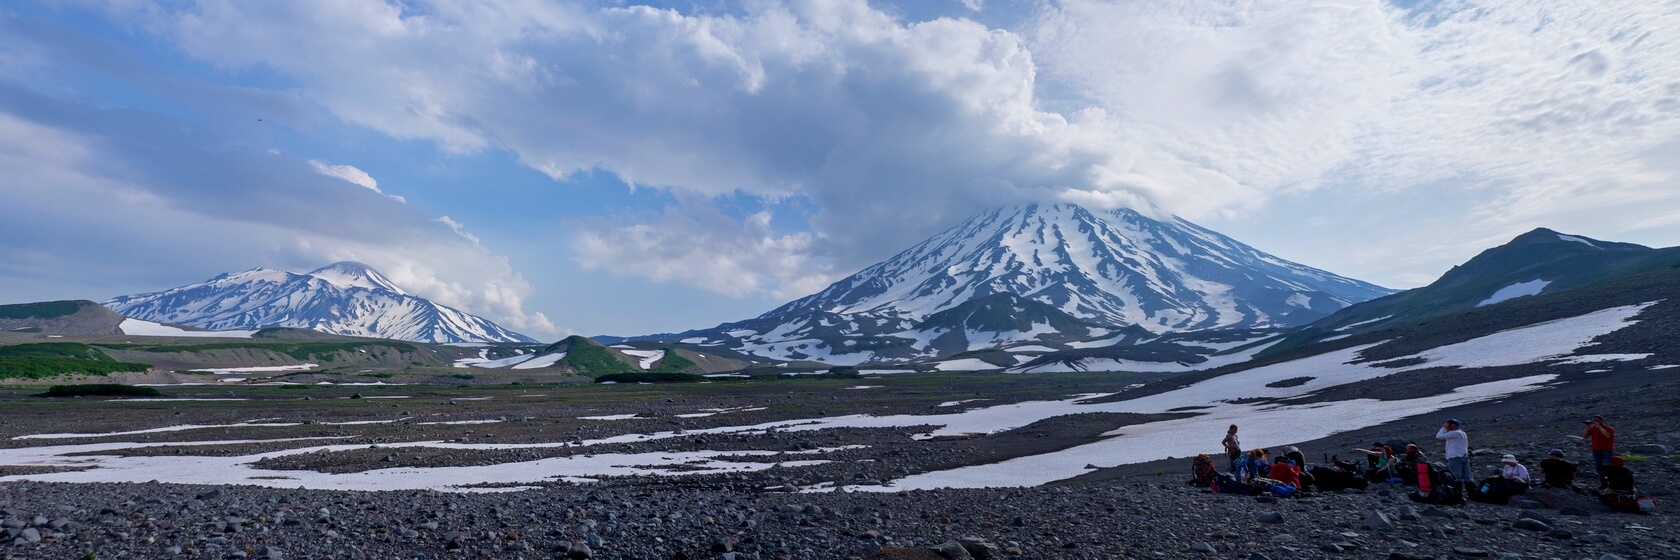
[542, 361]
[964, 364]
[1580, 240]
[1596, 358]
[1517, 290]
[136, 327]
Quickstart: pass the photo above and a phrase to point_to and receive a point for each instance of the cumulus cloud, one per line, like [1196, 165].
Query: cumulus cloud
[697, 244]
[126, 201]
[896, 129]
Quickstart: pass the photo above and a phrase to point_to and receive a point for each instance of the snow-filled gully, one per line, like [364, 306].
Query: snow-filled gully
[1264, 425]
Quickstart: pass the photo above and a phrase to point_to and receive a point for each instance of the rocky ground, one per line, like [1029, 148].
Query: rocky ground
[1136, 511]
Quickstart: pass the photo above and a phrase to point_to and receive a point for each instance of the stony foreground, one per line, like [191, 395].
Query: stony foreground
[1142, 518]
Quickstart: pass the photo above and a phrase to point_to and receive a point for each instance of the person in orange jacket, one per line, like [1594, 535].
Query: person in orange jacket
[1602, 439]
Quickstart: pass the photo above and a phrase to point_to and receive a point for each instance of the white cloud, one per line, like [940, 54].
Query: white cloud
[458, 229]
[699, 245]
[206, 209]
[896, 129]
[348, 173]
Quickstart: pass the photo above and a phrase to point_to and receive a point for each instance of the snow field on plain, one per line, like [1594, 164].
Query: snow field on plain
[1221, 400]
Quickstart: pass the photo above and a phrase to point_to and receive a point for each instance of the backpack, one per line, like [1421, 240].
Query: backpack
[1629, 503]
[1203, 468]
[1438, 486]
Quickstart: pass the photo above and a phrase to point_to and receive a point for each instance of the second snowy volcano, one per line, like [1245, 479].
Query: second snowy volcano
[1077, 275]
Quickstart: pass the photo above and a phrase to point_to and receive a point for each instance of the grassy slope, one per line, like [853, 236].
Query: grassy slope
[37, 361]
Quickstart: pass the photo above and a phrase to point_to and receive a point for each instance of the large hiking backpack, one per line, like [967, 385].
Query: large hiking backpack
[1203, 469]
[1437, 485]
[1629, 502]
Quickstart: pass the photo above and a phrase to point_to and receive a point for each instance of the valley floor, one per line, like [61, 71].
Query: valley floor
[703, 470]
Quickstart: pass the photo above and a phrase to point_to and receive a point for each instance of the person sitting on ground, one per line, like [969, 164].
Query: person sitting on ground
[1203, 470]
[1300, 459]
[1371, 459]
[1408, 470]
[1556, 472]
[1513, 470]
[1286, 472]
[1617, 488]
[1295, 456]
[1616, 476]
[1383, 463]
[1258, 464]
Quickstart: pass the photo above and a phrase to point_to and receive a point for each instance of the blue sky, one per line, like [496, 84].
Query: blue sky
[619, 168]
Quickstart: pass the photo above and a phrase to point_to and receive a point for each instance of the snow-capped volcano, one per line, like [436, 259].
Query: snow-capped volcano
[1079, 274]
[1118, 268]
[346, 298]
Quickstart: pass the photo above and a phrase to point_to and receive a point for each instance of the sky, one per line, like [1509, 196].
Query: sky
[612, 167]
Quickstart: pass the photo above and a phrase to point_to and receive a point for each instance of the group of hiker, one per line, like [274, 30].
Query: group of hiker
[1255, 471]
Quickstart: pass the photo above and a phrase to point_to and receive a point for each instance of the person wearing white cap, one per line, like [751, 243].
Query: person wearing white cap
[1513, 470]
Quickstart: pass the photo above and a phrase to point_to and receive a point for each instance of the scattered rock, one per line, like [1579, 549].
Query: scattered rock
[952, 550]
[1379, 521]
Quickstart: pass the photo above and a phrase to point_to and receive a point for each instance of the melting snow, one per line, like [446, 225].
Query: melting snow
[260, 369]
[609, 417]
[138, 327]
[1595, 358]
[964, 364]
[1517, 290]
[542, 361]
[1580, 240]
[1351, 326]
[648, 357]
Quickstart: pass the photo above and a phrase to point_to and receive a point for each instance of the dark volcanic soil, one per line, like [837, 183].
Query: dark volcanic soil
[1125, 512]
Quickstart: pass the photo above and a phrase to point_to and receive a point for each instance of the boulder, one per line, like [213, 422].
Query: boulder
[1379, 521]
[1527, 524]
[951, 550]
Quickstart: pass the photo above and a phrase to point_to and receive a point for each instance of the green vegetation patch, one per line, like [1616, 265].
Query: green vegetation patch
[48, 359]
[650, 377]
[100, 390]
[42, 310]
[588, 356]
[673, 362]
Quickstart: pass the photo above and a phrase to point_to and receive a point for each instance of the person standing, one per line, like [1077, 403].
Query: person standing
[1602, 439]
[1458, 450]
[1233, 447]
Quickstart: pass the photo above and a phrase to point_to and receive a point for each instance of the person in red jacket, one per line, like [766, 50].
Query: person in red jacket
[1286, 472]
[1602, 438]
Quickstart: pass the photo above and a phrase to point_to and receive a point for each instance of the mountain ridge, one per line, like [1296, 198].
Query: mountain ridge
[345, 298]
